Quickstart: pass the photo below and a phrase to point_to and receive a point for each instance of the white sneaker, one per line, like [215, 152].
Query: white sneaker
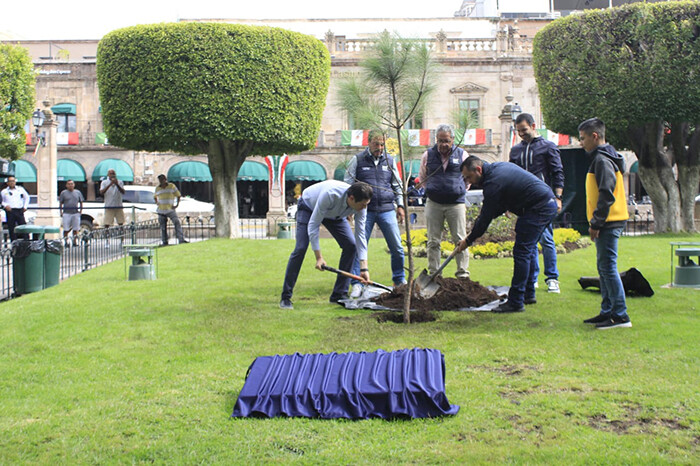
[553, 286]
[537, 285]
[356, 291]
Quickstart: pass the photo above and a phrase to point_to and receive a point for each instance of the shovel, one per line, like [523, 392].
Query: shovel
[426, 283]
[356, 277]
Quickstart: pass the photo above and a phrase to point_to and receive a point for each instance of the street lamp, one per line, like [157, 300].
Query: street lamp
[38, 118]
[515, 110]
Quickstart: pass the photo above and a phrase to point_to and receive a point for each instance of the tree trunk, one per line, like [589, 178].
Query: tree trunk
[656, 174]
[409, 246]
[686, 148]
[225, 159]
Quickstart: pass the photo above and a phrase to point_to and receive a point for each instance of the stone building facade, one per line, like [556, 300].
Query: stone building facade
[481, 62]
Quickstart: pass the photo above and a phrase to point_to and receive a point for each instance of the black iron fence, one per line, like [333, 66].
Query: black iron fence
[100, 246]
[635, 226]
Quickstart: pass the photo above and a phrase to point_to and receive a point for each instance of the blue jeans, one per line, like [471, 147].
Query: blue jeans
[342, 233]
[611, 289]
[549, 255]
[528, 230]
[390, 229]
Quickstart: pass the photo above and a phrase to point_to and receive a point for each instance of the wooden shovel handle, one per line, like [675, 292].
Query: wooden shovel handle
[356, 277]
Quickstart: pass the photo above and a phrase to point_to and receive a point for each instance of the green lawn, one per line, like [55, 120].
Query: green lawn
[101, 370]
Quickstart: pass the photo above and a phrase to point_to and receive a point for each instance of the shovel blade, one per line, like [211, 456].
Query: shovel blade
[426, 285]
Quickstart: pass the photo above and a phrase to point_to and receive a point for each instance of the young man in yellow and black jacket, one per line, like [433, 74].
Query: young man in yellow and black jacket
[606, 209]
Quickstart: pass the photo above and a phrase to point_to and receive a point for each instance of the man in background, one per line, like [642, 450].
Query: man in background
[541, 158]
[70, 204]
[378, 169]
[167, 198]
[112, 191]
[15, 201]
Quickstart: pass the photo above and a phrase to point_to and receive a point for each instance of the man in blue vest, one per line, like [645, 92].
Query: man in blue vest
[541, 158]
[446, 191]
[378, 169]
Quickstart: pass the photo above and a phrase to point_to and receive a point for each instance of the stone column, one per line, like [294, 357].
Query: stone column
[47, 176]
[506, 118]
[277, 205]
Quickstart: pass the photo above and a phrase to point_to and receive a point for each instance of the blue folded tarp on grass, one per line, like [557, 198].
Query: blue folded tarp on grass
[405, 383]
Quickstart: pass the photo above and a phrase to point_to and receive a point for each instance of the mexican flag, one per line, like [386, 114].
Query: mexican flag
[471, 137]
[67, 139]
[418, 137]
[28, 139]
[354, 137]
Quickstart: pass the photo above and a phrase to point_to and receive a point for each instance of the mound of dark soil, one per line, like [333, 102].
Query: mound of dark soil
[454, 293]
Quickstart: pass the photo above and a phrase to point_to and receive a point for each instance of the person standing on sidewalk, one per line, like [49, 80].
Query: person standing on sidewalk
[378, 169]
[167, 198]
[541, 158]
[446, 191]
[112, 189]
[15, 201]
[70, 203]
[606, 209]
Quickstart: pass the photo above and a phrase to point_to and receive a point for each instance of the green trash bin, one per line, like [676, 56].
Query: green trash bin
[285, 230]
[28, 269]
[52, 258]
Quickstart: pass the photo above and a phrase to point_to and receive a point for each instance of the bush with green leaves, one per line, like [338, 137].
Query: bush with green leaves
[17, 84]
[227, 90]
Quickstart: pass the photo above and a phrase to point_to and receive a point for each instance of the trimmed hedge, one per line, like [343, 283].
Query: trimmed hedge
[628, 65]
[176, 87]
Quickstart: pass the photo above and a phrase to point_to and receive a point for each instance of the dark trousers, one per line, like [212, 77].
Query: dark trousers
[528, 230]
[341, 231]
[14, 217]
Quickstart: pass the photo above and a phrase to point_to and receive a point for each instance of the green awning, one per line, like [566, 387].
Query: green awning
[413, 166]
[124, 172]
[67, 169]
[64, 108]
[305, 170]
[24, 172]
[339, 173]
[189, 171]
[635, 167]
[253, 171]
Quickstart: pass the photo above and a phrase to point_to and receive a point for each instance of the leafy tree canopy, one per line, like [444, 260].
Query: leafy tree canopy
[17, 93]
[629, 65]
[177, 87]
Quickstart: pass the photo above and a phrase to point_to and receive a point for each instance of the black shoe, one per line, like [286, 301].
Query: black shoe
[286, 304]
[335, 298]
[163, 244]
[597, 319]
[508, 307]
[615, 322]
[530, 300]
[184, 241]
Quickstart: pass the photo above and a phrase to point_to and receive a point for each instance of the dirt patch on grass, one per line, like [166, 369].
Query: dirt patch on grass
[454, 293]
[632, 421]
[397, 317]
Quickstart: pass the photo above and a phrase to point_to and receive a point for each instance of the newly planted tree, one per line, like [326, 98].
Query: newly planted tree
[16, 99]
[636, 67]
[225, 90]
[393, 85]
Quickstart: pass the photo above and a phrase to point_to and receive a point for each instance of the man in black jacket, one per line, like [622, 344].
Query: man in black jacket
[541, 158]
[508, 187]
